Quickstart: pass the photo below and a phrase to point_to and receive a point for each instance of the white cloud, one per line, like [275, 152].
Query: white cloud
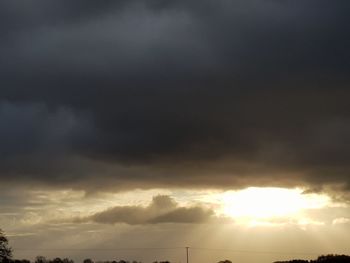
[341, 220]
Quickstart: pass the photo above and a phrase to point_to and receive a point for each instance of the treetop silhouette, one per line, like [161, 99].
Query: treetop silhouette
[5, 249]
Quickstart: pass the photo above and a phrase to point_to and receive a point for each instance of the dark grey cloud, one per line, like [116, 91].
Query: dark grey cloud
[162, 209]
[184, 93]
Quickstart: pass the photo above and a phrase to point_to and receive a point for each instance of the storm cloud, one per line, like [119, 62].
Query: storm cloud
[129, 94]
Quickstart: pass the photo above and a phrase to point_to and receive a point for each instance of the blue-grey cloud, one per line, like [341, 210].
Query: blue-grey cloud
[162, 209]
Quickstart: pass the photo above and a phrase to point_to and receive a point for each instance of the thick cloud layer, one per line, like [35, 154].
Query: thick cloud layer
[186, 93]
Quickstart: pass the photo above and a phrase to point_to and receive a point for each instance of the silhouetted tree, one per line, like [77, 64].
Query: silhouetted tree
[5, 249]
[225, 261]
[332, 259]
[20, 261]
[40, 259]
[88, 260]
[67, 260]
[293, 261]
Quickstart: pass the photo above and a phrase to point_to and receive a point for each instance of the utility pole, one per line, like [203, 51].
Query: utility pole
[187, 254]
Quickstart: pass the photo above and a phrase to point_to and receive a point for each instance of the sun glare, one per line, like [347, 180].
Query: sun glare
[268, 203]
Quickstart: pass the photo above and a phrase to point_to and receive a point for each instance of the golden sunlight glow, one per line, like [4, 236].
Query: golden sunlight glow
[254, 204]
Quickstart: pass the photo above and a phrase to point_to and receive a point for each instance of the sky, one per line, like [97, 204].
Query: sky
[223, 126]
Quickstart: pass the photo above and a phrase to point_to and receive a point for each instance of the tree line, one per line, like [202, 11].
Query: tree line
[6, 256]
[321, 259]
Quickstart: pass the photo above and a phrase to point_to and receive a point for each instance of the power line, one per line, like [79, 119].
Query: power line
[257, 251]
[99, 249]
[172, 248]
